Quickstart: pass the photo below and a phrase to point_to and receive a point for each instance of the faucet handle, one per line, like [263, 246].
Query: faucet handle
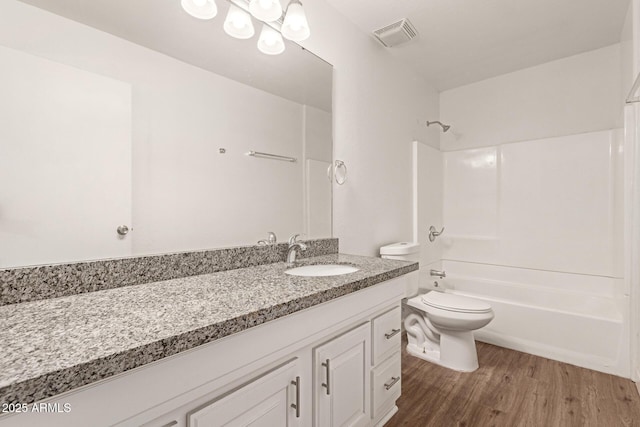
[272, 238]
[433, 233]
[293, 239]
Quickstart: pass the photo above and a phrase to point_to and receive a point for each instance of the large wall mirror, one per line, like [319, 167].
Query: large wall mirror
[133, 113]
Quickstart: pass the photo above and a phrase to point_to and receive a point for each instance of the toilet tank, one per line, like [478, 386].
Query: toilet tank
[406, 251]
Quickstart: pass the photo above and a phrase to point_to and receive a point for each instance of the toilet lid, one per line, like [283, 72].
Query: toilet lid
[453, 302]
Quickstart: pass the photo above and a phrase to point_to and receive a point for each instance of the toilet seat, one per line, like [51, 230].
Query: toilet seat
[455, 303]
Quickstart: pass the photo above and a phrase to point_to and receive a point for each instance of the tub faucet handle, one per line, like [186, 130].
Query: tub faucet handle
[433, 233]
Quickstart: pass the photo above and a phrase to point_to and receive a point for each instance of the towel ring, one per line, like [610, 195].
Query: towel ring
[340, 172]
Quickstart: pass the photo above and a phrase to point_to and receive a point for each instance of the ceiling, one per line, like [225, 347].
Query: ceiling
[464, 41]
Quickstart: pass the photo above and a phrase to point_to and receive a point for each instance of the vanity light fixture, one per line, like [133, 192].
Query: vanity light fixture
[201, 9]
[266, 10]
[291, 25]
[238, 23]
[295, 26]
[270, 41]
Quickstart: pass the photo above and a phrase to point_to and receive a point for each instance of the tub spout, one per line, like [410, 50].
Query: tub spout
[437, 273]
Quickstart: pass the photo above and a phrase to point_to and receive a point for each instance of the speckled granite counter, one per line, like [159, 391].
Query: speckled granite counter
[55, 345]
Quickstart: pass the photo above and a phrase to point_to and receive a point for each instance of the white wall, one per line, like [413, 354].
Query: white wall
[379, 108]
[573, 95]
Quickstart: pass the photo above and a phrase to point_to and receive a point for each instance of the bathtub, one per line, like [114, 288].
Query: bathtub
[559, 316]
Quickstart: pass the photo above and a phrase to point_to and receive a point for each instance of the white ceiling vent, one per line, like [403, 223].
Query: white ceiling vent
[396, 33]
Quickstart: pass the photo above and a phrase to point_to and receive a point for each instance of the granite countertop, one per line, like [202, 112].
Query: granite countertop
[55, 345]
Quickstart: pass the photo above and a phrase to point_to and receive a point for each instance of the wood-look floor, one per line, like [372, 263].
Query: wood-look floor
[513, 389]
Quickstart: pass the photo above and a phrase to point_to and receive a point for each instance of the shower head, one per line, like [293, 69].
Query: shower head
[444, 127]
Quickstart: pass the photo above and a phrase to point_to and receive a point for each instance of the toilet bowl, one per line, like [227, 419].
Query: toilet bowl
[440, 329]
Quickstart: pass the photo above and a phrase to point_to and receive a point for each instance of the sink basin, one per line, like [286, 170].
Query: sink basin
[322, 270]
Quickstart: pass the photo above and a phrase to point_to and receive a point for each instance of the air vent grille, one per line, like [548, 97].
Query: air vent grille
[396, 33]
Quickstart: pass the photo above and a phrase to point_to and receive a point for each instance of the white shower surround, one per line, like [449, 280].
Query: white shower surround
[534, 228]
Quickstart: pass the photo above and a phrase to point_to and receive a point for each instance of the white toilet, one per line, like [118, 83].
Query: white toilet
[440, 328]
[440, 325]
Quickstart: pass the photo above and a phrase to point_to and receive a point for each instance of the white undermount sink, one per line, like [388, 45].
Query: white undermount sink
[322, 270]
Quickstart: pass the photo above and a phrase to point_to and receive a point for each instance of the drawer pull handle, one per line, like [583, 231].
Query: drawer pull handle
[391, 383]
[391, 334]
[296, 405]
[327, 384]
[172, 423]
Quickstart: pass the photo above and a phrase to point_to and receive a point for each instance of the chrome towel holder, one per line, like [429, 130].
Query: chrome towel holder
[271, 156]
[340, 172]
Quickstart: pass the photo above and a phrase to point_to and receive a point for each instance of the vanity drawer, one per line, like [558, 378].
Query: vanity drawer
[386, 335]
[386, 384]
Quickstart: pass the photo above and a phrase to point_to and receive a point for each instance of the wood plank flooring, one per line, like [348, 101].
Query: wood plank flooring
[513, 389]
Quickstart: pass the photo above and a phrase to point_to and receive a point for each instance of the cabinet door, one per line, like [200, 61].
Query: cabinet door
[341, 386]
[264, 402]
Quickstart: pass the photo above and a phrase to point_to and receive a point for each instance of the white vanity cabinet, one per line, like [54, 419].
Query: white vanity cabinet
[263, 402]
[334, 364]
[341, 392]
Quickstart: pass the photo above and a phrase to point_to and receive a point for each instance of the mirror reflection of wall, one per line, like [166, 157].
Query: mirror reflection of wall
[101, 132]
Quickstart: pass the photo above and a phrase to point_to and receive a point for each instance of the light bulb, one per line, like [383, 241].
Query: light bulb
[201, 9]
[270, 41]
[295, 26]
[238, 23]
[266, 10]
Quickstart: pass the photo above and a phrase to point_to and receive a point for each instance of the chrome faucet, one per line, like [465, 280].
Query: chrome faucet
[441, 274]
[293, 247]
